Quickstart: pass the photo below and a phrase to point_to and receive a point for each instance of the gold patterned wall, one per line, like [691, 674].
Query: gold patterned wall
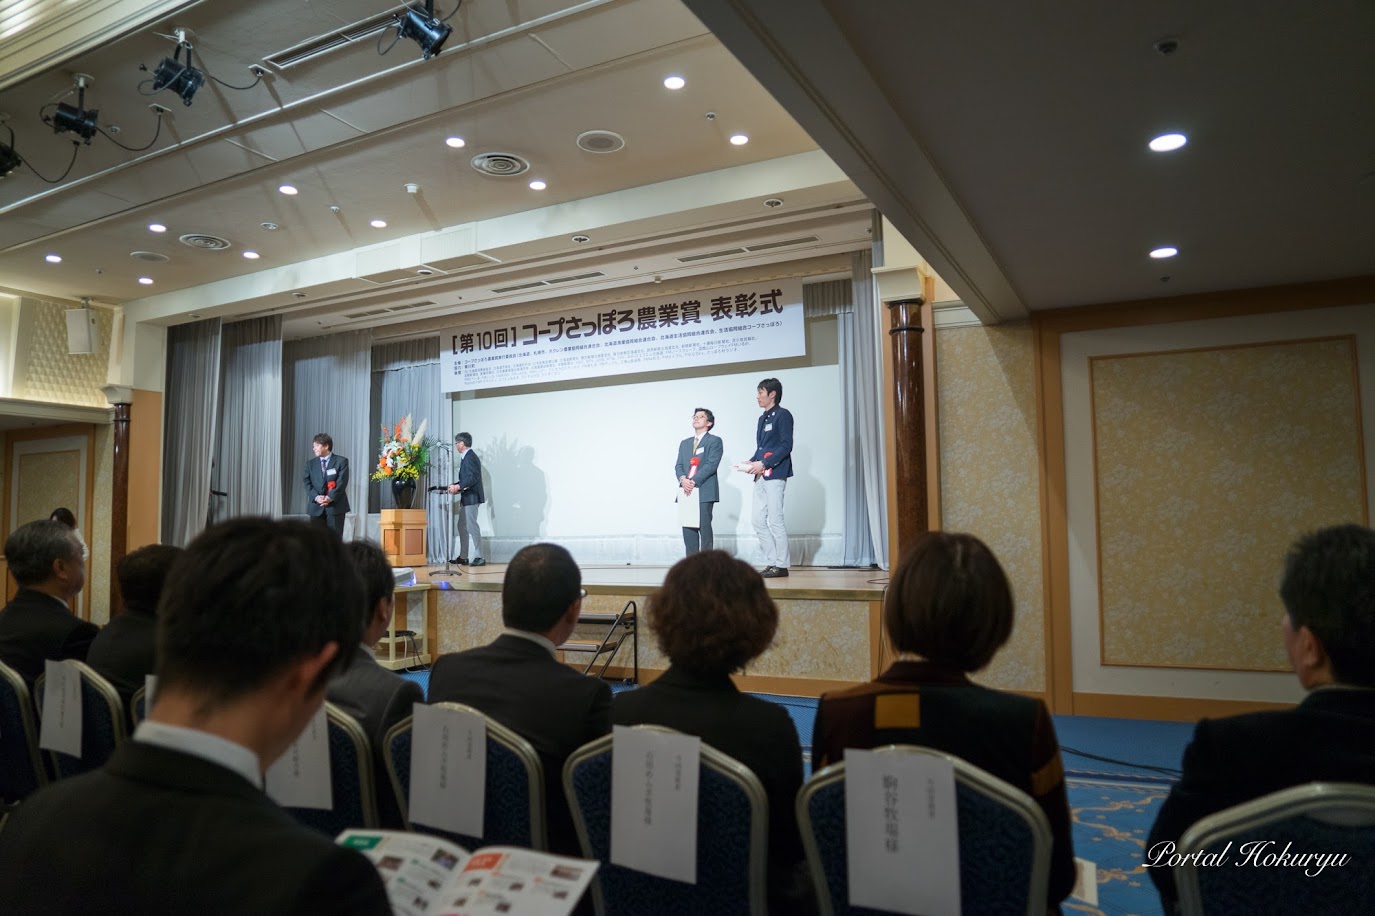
[990, 479]
[1208, 464]
[49, 373]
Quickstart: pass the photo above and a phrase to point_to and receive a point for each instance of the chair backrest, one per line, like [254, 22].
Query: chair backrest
[1003, 834]
[1332, 818]
[138, 706]
[513, 811]
[350, 769]
[102, 723]
[21, 768]
[732, 839]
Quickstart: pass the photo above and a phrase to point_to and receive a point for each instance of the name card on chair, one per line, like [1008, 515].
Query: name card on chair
[301, 777]
[901, 833]
[448, 769]
[654, 779]
[60, 728]
[150, 684]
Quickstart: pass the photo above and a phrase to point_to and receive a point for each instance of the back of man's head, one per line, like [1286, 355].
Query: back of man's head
[542, 582]
[142, 574]
[1329, 587]
[248, 598]
[32, 549]
[379, 582]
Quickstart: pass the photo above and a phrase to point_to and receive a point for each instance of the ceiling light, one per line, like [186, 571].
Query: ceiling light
[1166, 142]
[251, 255]
[455, 142]
[183, 79]
[54, 259]
[146, 281]
[378, 224]
[288, 190]
[674, 82]
[739, 140]
[1164, 252]
[425, 28]
[538, 185]
[156, 227]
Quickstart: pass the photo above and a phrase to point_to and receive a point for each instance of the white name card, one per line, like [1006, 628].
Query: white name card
[60, 729]
[654, 802]
[448, 769]
[301, 777]
[902, 833]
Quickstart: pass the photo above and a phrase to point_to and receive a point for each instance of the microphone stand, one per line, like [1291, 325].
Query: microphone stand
[447, 514]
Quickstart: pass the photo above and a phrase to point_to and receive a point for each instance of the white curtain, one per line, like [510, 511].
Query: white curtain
[866, 356]
[193, 386]
[325, 390]
[249, 440]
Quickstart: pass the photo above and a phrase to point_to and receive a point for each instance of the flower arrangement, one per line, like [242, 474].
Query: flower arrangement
[405, 455]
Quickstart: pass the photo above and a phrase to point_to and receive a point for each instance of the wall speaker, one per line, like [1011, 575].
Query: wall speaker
[80, 331]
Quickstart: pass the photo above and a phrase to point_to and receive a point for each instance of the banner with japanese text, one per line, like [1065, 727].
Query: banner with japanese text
[752, 321]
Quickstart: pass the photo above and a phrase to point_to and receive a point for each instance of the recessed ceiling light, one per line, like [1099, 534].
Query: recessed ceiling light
[538, 185]
[378, 224]
[674, 82]
[1164, 252]
[54, 259]
[739, 140]
[251, 255]
[1166, 142]
[288, 190]
[455, 142]
[156, 227]
[146, 281]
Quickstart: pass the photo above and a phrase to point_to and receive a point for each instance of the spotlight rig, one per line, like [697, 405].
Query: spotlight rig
[75, 118]
[424, 28]
[9, 159]
[183, 79]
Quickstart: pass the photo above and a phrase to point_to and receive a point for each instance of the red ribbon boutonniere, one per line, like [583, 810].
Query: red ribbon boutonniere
[693, 470]
[329, 487]
[768, 472]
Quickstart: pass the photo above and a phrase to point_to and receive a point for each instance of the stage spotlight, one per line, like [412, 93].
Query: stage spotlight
[426, 29]
[183, 79]
[9, 159]
[77, 120]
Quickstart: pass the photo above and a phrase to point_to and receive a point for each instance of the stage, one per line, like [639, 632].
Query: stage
[828, 634]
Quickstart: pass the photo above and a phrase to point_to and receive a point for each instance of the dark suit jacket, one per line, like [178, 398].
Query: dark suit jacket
[35, 626]
[470, 479]
[157, 831]
[378, 699]
[759, 734]
[938, 707]
[317, 484]
[705, 479]
[125, 650]
[1329, 737]
[519, 684]
[773, 436]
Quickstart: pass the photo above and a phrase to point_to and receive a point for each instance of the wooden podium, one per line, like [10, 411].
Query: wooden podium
[403, 537]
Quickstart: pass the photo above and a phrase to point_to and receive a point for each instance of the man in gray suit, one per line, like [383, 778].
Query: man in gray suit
[469, 485]
[698, 457]
[374, 696]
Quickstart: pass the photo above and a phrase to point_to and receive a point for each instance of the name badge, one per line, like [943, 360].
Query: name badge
[700, 450]
[768, 427]
[331, 472]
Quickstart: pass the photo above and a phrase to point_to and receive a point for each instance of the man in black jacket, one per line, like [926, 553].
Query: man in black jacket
[469, 486]
[45, 559]
[126, 649]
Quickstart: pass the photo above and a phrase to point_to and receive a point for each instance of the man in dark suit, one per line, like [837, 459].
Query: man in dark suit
[519, 682]
[38, 624]
[469, 485]
[1328, 592]
[771, 467]
[698, 457]
[327, 482]
[126, 648]
[256, 617]
[376, 697]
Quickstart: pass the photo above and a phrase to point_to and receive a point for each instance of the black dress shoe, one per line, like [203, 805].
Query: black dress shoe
[767, 571]
[477, 561]
[775, 572]
[459, 561]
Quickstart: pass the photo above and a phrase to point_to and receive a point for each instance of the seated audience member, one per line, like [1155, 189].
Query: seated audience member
[38, 624]
[64, 515]
[255, 618]
[949, 609]
[124, 651]
[376, 697]
[519, 682]
[1328, 592]
[713, 616]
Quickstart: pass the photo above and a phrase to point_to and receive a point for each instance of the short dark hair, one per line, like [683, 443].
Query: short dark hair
[1329, 587]
[64, 515]
[774, 387]
[711, 417]
[375, 572]
[32, 549]
[142, 574]
[465, 438]
[324, 439]
[712, 614]
[248, 598]
[542, 582]
[949, 601]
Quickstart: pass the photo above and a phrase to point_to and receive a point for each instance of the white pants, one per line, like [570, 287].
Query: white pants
[768, 521]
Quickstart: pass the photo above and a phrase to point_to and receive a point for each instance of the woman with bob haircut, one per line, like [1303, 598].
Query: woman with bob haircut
[948, 611]
[713, 616]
